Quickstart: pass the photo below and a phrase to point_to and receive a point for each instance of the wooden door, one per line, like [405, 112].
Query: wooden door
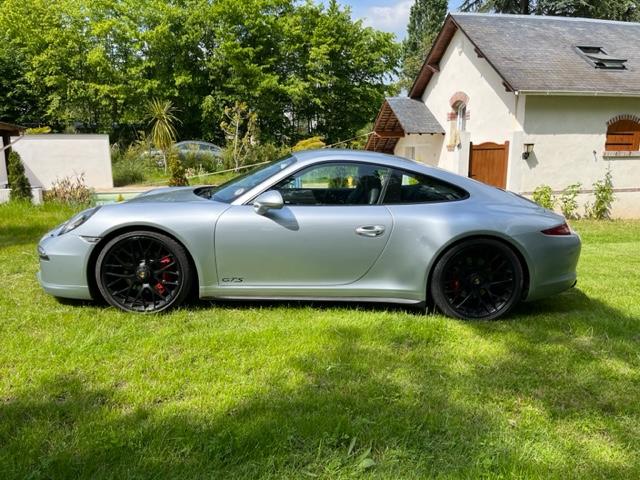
[488, 163]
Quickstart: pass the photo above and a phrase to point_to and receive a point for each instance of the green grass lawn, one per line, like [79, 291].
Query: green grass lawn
[320, 391]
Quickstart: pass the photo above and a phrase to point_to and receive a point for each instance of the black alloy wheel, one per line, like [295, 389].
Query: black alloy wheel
[143, 272]
[478, 279]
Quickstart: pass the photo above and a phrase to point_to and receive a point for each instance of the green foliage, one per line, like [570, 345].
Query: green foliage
[568, 202]
[308, 144]
[18, 181]
[130, 165]
[177, 177]
[240, 129]
[604, 197]
[265, 152]
[161, 116]
[425, 21]
[70, 190]
[543, 196]
[624, 10]
[38, 130]
[92, 65]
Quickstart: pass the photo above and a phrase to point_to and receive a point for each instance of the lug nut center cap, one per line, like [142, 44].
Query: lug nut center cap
[142, 273]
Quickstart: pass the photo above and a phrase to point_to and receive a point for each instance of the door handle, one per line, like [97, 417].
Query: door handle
[370, 230]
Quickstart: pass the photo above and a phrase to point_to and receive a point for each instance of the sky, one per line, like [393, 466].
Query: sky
[386, 15]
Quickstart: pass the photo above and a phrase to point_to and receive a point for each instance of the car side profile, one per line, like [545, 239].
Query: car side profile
[326, 224]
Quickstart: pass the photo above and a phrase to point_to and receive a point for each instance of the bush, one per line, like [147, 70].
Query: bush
[543, 196]
[70, 191]
[129, 165]
[257, 153]
[176, 170]
[568, 203]
[308, 144]
[18, 181]
[604, 197]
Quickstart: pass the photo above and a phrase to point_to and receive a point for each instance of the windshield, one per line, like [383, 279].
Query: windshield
[229, 191]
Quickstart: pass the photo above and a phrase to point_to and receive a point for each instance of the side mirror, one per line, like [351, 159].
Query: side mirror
[268, 201]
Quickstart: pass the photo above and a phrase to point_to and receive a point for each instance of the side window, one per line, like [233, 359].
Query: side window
[339, 183]
[409, 187]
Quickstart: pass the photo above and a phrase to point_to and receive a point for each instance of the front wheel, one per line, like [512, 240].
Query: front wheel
[143, 272]
[479, 279]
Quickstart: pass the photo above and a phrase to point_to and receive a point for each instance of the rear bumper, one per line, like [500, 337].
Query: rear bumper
[552, 264]
[63, 266]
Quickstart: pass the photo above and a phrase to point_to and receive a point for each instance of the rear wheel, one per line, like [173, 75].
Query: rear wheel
[143, 272]
[479, 279]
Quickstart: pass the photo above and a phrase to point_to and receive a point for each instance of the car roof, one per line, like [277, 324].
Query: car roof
[328, 154]
[312, 156]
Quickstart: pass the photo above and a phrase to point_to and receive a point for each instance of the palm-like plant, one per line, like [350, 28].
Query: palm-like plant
[161, 116]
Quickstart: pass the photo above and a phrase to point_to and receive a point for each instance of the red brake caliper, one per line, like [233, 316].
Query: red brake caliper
[159, 287]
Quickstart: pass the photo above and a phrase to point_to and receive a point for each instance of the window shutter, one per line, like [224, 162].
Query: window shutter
[623, 135]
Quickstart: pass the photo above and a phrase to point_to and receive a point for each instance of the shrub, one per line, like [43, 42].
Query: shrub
[70, 191]
[127, 173]
[18, 181]
[176, 170]
[568, 203]
[308, 144]
[129, 165]
[38, 130]
[604, 197]
[543, 196]
[256, 153]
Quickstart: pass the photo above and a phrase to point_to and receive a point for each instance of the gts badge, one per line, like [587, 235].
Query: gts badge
[232, 280]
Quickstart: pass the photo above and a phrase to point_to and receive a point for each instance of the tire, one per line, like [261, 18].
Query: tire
[477, 279]
[143, 272]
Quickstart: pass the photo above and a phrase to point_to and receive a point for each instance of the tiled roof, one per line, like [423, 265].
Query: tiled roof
[414, 116]
[536, 53]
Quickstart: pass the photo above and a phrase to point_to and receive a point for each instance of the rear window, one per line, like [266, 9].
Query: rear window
[411, 187]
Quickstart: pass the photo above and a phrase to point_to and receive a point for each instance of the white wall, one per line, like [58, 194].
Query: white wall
[569, 134]
[493, 112]
[427, 147]
[53, 156]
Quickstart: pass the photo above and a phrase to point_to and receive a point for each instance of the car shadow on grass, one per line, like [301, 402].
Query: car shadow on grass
[548, 393]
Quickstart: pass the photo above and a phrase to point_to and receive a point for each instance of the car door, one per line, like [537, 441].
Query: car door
[330, 231]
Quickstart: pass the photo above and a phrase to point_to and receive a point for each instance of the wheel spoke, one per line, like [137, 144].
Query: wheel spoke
[119, 275]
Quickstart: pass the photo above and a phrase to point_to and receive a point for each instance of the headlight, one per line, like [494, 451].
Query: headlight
[77, 220]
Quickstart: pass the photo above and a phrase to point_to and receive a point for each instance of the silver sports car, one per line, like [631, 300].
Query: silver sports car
[329, 224]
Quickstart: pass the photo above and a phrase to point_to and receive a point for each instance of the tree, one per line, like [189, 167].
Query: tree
[425, 21]
[305, 69]
[18, 181]
[162, 120]
[625, 10]
[239, 128]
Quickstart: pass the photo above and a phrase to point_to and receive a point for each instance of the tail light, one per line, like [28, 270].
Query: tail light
[559, 230]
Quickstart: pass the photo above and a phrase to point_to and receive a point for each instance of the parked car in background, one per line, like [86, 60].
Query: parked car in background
[192, 153]
[198, 149]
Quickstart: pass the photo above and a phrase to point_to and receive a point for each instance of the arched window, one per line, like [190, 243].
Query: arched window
[458, 118]
[623, 135]
[461, 111]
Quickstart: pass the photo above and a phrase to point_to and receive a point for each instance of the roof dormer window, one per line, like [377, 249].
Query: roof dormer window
[599, 58]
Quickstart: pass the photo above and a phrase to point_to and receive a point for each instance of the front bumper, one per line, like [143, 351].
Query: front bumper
[63, 265]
